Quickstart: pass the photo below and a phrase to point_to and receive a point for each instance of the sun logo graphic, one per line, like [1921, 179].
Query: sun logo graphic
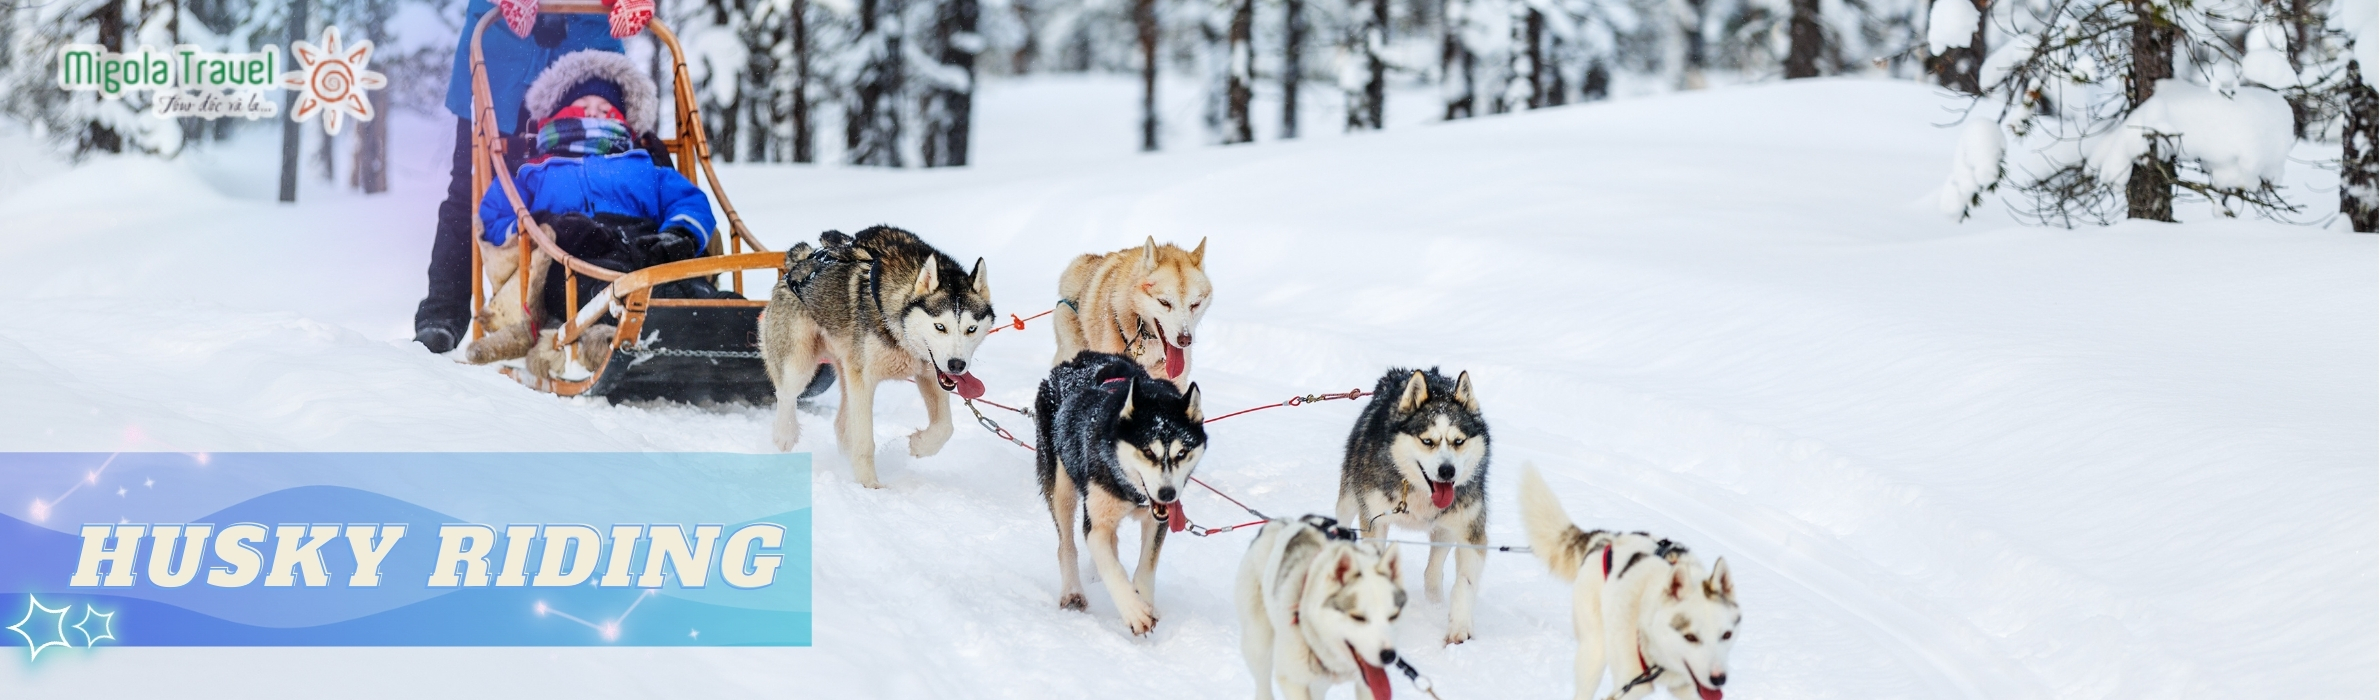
[331, 80]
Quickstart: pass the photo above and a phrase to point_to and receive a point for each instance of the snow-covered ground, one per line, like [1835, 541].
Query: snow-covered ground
[1945, 460]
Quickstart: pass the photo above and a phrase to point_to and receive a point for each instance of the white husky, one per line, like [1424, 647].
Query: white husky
[1316, 611]
[1642, 606]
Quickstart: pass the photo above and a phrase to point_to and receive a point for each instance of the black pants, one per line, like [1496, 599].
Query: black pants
[448, 304]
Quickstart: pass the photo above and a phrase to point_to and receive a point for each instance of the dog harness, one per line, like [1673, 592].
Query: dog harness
[1668, 551]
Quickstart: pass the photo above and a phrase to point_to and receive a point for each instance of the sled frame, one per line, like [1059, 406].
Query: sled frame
[629, 294]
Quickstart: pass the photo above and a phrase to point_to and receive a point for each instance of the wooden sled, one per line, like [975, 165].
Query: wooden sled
[689, 350]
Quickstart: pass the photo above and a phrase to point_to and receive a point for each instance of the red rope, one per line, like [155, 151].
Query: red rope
[1019, 323]
[1297, 401]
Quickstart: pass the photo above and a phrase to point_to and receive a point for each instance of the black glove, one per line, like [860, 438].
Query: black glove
[668, 245]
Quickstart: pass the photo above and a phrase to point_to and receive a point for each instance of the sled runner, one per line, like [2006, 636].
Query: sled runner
[677, 349]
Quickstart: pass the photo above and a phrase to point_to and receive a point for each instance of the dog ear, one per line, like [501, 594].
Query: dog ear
[1417, 390]
[1345, 568]
[1677, 583]
[1127, 412]
[1198, 256]
[926, 279]
[1148, 254]
[1721, 585]
[1191, 398]
[1389, 563]
[1462, 391]
[983, 285]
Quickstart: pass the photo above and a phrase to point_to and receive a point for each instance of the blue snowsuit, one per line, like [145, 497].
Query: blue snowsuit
[622, 183]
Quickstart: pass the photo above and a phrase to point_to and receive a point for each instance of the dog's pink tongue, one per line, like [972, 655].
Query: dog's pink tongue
[1176, 361]
[1706, 693]
[1376, 677]
[1441, 494]
[1177, 518]
[967, 386]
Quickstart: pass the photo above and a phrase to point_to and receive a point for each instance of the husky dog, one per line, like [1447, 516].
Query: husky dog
[883, 305]
[1144, 302]
[1315, 610]
[1418, 458]
[1115, 443]
[1642, 607]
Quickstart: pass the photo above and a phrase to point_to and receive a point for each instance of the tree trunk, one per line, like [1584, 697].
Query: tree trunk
[1293, 44]
[1240, 73]
[1533, 31]
[949, 109]
[100, 137]
[2149, 194]
[1961, 68]
[1697, 49]
[872, 122]
[1808, 40]
[1365, 104]
[1144, 24]
[804, 133]
[290, 135]
[1029, 48]
[2359, 167]
[1596, 84]
[371, 143]
[1457, 63]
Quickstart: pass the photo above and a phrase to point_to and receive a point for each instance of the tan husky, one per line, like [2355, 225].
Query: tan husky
[1142, 302]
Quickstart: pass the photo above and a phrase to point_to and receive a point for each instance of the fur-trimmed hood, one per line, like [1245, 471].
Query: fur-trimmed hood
[643, 108]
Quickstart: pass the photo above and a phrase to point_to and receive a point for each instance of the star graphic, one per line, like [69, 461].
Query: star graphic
[331, 81]
[107, 625]
[55, 640]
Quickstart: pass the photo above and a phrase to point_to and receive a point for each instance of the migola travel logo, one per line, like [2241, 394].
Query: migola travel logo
[331, 79]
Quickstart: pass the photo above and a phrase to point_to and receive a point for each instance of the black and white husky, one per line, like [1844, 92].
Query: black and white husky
[1418, 458]
[1115, 443]
[1317, 610]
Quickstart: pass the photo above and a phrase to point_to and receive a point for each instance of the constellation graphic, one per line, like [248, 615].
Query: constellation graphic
[610, 630]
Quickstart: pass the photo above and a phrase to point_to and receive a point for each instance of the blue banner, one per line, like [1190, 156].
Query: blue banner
[404, 549]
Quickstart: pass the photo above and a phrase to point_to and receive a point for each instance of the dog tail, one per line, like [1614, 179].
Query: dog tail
[1561, 545]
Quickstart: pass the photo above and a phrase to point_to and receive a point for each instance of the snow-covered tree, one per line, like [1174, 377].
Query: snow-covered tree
[947, 100]
[2124, 103]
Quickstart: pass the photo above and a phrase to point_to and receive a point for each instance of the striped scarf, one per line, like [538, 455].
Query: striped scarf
[582, 136]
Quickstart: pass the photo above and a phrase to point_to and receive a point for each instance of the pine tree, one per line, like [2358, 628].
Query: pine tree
[872, 117]
[947, 105]
[1458, 60]
[1144, 23]
[2359, 141]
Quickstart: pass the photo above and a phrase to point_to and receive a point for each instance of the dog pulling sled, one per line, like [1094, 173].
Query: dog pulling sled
[677, 349]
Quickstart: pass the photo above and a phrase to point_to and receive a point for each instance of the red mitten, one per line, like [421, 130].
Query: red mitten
[519, 15]
[629, 17]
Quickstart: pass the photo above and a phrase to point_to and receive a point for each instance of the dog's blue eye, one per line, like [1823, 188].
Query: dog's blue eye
[939, 328]
[971, 330]
[1457, 442]
[1426, 442]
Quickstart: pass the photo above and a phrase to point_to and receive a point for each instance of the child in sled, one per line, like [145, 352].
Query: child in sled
[607, 201]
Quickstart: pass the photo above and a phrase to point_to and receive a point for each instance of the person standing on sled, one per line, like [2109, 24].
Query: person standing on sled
[514, 55]
[607, 201]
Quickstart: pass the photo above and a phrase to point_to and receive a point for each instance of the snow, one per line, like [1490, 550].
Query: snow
[2266, 62]
[2005, 59]
[1951, 24]
[1974, 166]
[2242, 140]
[1944, 460]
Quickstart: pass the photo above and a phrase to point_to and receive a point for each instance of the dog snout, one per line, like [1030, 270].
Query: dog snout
[1718, 679]
[1389, 656]
[1446, 472]
[957, 366]
[1181, 340]
[1166, 494]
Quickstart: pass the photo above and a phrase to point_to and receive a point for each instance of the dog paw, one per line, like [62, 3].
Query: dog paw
[1458, 635]
[1073, 601]
[1138, 617]
[785, 440]
[927, 442]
